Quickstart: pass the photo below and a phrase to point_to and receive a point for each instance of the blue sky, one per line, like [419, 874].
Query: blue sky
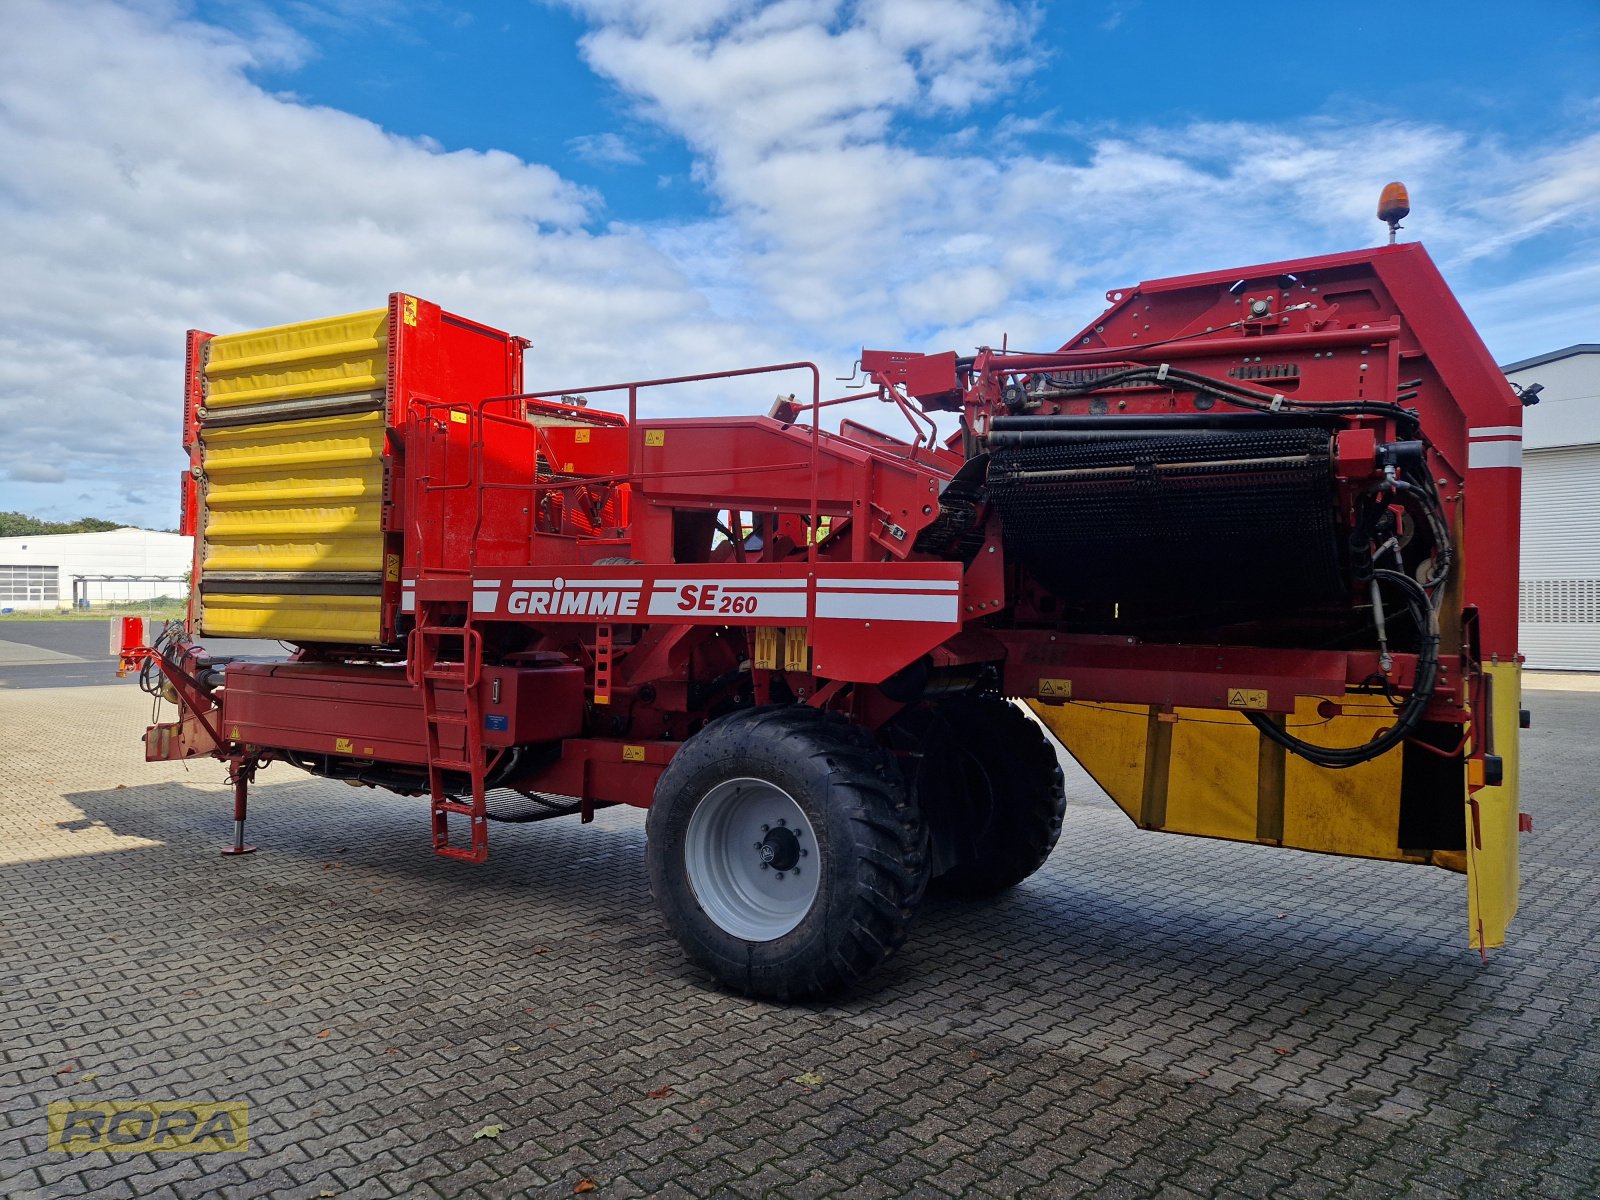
[665, 186]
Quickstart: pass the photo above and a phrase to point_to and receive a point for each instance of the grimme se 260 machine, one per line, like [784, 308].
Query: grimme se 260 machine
[1246, 546]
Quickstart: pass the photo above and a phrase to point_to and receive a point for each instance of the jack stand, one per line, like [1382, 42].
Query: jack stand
[241, 789]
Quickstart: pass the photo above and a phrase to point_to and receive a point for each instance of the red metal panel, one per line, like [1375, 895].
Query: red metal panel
[575, 451]
[439, 358]
[351, 711]
[1113, 670]
[531, 704]
[370, 712]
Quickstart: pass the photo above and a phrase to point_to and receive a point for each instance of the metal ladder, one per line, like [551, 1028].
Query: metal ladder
[441, 678]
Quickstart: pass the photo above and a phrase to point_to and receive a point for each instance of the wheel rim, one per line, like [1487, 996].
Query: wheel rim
[750, 855]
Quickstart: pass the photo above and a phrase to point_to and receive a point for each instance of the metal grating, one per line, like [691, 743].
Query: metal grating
[1196, 521]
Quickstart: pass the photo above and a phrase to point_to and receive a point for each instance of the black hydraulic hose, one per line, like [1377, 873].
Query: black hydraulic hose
[1411, 712]
[1235, 394]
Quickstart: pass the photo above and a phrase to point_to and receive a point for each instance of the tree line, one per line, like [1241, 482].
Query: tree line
[15, 524]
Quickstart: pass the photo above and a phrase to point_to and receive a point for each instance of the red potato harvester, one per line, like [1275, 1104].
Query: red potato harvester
[1246, 546]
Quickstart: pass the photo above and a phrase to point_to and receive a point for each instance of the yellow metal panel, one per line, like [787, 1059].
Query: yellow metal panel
[1211, 784]
[1354, 811]
[1214, 785]
[1108, 741]
[293, 618]
[330, 357]
[294, 496]
[1492, 874]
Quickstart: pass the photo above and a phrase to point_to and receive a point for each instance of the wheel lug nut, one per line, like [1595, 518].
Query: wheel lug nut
[781, 821]
[766, 866]
[766, 828]
[780, 874]
[803, 853]
[794, 869]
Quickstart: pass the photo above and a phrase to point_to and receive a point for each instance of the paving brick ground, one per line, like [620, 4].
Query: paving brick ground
[1148, 1016]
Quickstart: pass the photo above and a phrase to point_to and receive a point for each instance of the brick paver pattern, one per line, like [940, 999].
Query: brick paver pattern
[1148, 1016]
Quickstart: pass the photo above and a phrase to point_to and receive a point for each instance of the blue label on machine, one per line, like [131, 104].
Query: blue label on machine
[496, 722]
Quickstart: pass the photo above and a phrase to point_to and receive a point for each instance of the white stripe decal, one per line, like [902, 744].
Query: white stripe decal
[893, 585]
[408, 601]
[879, 607]
[736, 584]
[532, 583]
[484, 601]
[484, 583]
[1494, 454]
[1485, 431]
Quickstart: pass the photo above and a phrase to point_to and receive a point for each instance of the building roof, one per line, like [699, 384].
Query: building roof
[1538, 360]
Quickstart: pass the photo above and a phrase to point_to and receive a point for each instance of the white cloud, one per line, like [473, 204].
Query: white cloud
[605, 149]
[848, 229]
[151, 187]
[36, 473]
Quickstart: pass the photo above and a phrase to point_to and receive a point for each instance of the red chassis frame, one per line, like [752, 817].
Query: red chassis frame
[588, 604]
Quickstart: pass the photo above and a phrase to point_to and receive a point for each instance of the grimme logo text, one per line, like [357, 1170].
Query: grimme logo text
[575, 598]
[141, 1126]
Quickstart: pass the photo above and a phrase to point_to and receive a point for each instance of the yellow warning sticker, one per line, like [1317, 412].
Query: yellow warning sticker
[234, 734]
[408, 309]
[460, 418]
[391, 568]
[343, 746]
[580, 435]
[633, 754]
[655, 437]
[1055, 689]
[1247, 698]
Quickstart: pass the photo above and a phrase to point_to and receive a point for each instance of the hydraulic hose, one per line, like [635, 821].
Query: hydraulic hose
[1234, 394]
[1411, 711]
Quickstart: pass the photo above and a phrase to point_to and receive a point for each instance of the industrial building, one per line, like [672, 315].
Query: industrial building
[1560, 602]
[67, 570]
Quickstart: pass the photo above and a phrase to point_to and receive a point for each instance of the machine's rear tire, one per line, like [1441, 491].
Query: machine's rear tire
[991, 790]
[761, 786]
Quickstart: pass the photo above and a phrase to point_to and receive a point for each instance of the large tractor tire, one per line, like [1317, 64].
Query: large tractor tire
[785, 853]
[991, 791]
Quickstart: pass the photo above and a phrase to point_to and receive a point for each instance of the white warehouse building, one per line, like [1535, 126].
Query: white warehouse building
[62, 570]
[1560, 600]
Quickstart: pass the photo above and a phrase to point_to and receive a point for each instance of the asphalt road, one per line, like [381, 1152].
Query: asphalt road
[1148, 1016]
[51, 654]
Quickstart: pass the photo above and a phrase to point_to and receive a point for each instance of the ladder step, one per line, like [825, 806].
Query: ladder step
[446, 663]
[453, 806]
[477, 854]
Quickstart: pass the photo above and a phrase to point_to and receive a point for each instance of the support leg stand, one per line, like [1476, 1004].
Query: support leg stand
[241, 792]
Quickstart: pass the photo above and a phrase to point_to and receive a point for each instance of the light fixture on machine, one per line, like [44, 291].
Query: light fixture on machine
[1394, 204]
